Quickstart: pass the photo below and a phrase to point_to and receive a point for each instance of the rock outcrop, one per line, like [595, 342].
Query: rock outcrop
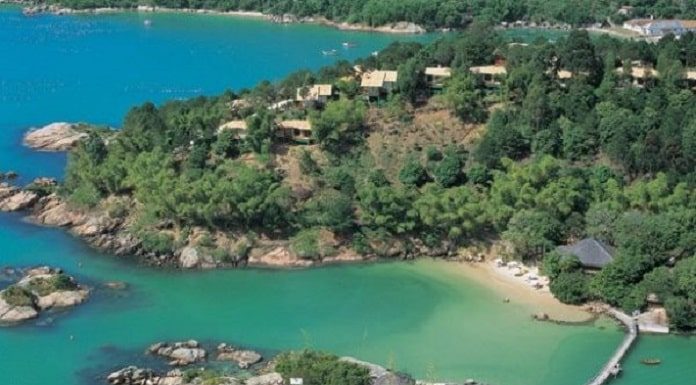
[266, 379]
[191, 257]
[54, 137]
[179, 353]
[277, 257]
[380, 375]
[243, 358]
[15, 199]
[38, 290]
[108, 229]
[97, 228]
[15, 313]
[133, 375]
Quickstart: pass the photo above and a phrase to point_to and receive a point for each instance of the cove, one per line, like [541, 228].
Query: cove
[419, 317]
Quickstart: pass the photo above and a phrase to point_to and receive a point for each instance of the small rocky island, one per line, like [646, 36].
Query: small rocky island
[38, 290]
[192, 368]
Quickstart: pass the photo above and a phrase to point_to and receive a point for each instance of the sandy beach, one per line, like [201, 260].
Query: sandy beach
[518, 291]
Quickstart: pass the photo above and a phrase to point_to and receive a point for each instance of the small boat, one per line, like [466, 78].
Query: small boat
[147, 22]
[331, 52]
[348, 44]
[651, 361]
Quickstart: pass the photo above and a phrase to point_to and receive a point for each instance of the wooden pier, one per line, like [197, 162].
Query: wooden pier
[613, 366]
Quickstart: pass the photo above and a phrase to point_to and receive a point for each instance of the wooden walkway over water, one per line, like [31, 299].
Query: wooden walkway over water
[613, 366]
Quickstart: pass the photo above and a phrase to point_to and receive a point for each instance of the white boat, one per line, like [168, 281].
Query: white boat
[147, 22]
[348, 44]
[331, 52]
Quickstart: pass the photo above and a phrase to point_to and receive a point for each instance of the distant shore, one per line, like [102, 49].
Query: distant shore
[391, 28]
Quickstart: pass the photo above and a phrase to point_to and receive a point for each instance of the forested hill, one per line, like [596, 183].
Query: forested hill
[428, 13]
[573, 147]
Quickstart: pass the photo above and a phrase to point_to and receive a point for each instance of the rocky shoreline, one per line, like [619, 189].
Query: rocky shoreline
[38, 290]
[110, 232]
[393, 28]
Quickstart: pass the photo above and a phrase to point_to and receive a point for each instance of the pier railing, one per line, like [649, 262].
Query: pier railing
[612, 366]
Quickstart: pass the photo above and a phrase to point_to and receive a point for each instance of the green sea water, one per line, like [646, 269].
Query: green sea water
[420, 317]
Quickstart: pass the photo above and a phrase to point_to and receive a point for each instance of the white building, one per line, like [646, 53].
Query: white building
[659, 28]
[377, 83]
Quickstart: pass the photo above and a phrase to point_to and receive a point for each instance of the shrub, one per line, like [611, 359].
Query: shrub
[570, 287]
[17, 296]
[45, 286]
[312, 244]
[156, 242]
[86, 195]
[306, 244]
[317, 368]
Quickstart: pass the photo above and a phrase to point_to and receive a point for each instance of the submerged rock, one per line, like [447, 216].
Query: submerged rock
[116, 285]
[179, 353]
[54, 137]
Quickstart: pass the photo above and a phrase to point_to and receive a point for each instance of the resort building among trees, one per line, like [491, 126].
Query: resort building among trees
[378, 83]
[436, 76]
[294, 130]
[691, 77]
[592, 253]
[318, 94]
[492, 74]
[238, 127]
[640, 74]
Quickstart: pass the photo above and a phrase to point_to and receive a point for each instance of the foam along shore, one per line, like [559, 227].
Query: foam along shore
[401, 27]
[523, 285]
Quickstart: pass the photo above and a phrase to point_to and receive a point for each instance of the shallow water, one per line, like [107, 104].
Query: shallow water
[420, 317]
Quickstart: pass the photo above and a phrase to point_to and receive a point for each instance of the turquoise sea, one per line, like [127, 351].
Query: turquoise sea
[419, 317]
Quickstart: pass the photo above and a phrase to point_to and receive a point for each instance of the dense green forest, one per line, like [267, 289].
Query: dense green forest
[559, 160]
[428, 13]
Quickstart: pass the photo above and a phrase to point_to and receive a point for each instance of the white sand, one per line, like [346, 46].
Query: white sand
[517, 290]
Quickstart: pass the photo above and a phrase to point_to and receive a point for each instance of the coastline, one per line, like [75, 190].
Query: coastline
[517, 291]
[401, 27]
